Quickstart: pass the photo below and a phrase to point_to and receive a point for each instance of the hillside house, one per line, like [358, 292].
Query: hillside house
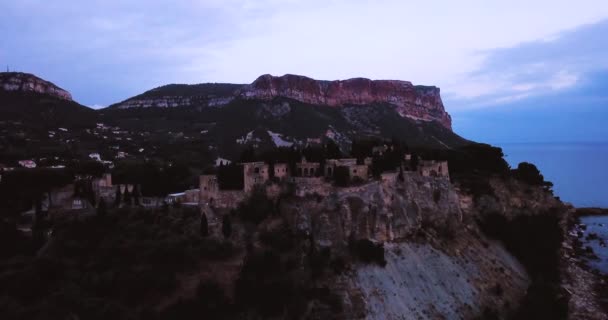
[281, 170]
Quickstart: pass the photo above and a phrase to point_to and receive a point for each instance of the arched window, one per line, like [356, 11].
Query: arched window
[256, 170]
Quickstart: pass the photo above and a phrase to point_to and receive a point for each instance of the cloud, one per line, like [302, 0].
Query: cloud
[534, 68]
[105, 51]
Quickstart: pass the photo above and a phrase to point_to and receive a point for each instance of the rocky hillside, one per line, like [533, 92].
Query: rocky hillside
[25, 82]
[438, 265]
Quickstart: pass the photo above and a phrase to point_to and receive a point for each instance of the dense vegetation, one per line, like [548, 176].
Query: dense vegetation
[535, 240]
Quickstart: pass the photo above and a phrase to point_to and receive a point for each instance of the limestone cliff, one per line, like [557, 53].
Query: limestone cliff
[416, 102]
[420, 103]
[439, 265]
[25, 82]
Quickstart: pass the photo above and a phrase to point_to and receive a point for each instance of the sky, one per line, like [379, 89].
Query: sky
[509, 71]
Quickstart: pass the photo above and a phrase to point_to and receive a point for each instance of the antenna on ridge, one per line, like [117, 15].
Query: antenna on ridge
[7, 68]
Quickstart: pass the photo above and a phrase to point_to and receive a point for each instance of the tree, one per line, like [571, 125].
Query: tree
[226, 226]
[529, 174]
[101, 208]
[342, 176]
[118, 197]
[257, 208]
[127, 196]
[204, 225]
[414, 162]
[136, 194]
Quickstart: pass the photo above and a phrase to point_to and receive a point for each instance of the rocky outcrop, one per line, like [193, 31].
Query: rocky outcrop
[416, 102]
[25, 82]
[438, 264]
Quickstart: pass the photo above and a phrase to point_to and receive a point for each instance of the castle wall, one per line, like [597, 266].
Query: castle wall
[312, 185]
[228, 199]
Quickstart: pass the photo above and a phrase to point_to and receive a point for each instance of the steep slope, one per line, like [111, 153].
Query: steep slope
[283, 122]
[438, 265]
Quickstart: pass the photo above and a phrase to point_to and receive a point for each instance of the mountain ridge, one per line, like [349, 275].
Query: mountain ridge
[420, 103]
[27, 82]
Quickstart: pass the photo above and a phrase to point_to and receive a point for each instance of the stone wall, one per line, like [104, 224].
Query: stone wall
[312, 185]
[228, 198]
[433, 168]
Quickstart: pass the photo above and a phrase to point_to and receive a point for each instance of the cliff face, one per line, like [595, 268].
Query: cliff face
[24, 82]
[419, 103]
[439, 265]
[416, 102]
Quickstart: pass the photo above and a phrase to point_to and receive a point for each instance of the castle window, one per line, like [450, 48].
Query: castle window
[256, 170]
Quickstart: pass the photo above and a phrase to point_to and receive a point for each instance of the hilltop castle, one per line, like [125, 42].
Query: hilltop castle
[308, 177]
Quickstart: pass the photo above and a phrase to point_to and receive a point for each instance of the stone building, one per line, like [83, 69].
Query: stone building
[308, 169]
[281, 170]
[359, 171]
[254, 173]
[433, 168]
[354, 170]
[332, 164]
[208, 187]
[103, 188]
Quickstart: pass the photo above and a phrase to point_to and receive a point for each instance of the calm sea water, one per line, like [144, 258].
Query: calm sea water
[579, 171]
[599, 226]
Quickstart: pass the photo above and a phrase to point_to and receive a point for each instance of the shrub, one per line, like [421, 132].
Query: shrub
[257, 207]
[368, 252]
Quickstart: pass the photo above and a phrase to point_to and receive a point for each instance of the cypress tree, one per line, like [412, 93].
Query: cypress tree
[204, 225]
[226, 226]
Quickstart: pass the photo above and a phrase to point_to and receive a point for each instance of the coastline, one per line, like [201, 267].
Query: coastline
[587, 286]
[591, 211]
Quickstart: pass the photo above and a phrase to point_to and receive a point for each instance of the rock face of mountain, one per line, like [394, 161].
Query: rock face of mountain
[420, 103]
[416, 102]
[25, 82]
[183, 95]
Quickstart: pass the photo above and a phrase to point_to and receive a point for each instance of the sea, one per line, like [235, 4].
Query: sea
[579, 172]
